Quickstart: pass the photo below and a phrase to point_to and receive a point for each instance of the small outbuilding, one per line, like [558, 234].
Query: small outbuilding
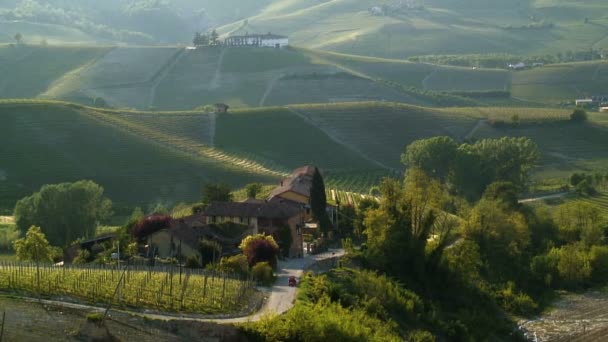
[221, 108]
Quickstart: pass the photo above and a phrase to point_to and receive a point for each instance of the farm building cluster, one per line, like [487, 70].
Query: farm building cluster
[597, 101]
[227, 223]
[267, 40]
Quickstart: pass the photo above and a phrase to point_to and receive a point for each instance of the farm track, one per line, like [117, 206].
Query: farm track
[331, 135]
[215, 82]
[161, 74]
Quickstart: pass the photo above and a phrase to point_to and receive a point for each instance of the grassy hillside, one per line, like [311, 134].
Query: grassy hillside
[561, 82]
[434, 27]
[166, 156]
[49, 143]
[27, 71]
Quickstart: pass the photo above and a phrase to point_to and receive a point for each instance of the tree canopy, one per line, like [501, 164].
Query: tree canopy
[217, 193]
[65, 212]
[469, 168]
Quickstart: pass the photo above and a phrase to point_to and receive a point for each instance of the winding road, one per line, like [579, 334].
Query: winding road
[280, 299]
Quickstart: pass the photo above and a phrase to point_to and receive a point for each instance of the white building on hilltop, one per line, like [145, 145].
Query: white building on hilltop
[260, 40]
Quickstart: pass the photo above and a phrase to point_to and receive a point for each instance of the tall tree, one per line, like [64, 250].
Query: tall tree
[213, 37]
[65, 211]
[318, 202]
[18, 37]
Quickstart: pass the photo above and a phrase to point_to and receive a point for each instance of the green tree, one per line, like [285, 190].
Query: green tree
[18, 37]
[253, 189]
[434, 156]
[577, 219]
[578, 115]
[213, 38]
[216, 193]
[259, 248]
[33, 247]
[318, 202]
[65, 211]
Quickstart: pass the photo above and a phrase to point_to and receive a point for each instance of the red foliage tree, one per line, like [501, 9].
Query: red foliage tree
[150, 225]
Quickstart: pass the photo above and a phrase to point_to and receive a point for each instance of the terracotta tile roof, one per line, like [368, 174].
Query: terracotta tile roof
[271, 209]
[299, 182]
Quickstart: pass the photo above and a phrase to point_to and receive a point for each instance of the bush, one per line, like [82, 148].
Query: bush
[192, 262]
[258, 248]
[420, 336]
[236, 264]
[262, 273]
[579, 115]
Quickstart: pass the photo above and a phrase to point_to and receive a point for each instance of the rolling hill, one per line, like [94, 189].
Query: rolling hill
[166, 156]
[170, 78]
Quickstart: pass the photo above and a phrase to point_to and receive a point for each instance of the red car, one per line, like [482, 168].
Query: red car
[292, 281]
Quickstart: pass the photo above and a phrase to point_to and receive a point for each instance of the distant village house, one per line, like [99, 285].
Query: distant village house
[258, 40]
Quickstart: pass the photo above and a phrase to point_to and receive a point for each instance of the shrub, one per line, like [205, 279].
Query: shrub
[236, 264]
[420, 336]
[578, 115]
[260, 247]
[192, 262]
[83, 257]
[262, 273]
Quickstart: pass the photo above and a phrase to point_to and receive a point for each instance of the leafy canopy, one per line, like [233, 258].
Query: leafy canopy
[65, 212]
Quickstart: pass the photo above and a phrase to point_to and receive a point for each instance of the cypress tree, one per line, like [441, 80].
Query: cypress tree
[318, 202]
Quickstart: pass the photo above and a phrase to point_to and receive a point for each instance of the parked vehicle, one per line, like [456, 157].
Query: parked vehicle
[292, 281]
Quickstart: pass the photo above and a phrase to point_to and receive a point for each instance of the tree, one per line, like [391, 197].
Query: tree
[253, 189]
[65, 211]
[318, 202]
[577, 220]
[578, 115]
[217, 193]
[213, 38]
[33, 247]
[260, 247]
[434, 156]
[18, 37]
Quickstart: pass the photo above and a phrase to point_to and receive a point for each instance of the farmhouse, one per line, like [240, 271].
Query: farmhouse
[265, 217]
[258, 40]
[181, 238]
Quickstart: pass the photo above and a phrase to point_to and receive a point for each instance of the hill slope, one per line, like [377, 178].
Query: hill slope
[48, 143]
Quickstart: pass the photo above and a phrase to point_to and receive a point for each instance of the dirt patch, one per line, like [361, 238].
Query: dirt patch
[573, 317]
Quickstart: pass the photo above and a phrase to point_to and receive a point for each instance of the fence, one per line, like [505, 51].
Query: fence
[164, 288]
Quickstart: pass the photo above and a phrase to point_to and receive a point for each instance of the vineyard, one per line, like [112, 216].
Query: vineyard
[158, 288]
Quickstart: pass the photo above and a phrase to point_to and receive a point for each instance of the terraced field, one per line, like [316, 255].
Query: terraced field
[565, 147]
[49, 143]
[381, 131]
[420, 75]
